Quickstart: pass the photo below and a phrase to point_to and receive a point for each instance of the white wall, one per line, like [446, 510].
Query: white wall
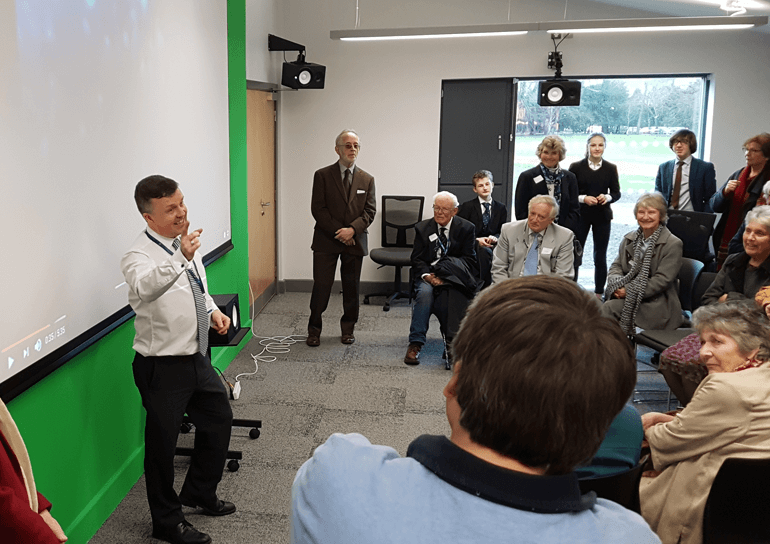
[390, 91]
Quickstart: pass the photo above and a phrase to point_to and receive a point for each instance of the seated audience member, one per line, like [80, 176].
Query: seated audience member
[740, 192]
[445, 273]
[548, 178]
[741, 277]
[729, 416]
[736, 244]
[620, 448]
[598, 186]
[25, 516]
[686, 183]
[534, 245]
[487, 215]
[642, 287]
[539, 377]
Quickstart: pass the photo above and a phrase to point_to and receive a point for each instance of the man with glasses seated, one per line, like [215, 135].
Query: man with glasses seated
[343, 205]
[445, 273]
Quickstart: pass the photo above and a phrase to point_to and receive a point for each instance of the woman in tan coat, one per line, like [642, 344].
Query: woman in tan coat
[728, 416]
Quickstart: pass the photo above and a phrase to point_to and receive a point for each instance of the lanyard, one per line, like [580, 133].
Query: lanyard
[195, 275]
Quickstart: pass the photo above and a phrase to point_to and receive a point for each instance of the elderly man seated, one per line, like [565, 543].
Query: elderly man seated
[538, 378]
[445, 273]
[535, 245]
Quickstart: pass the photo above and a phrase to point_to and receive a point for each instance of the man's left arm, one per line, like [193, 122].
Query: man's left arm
[565, 259]
[218, 320]
[362, 222]
[467, 240]
[709, 185]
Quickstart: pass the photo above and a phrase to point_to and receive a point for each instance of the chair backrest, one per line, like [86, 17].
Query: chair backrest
[737, 505]
[622, 488]
[704, 281]
[695, 230]
[399, 216]
[688, 275]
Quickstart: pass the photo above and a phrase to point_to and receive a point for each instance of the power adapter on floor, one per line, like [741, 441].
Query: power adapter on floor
[236, 390]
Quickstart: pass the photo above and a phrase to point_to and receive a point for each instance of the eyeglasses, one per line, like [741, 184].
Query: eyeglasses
[442, 210]
[751, 150]
[350, 146]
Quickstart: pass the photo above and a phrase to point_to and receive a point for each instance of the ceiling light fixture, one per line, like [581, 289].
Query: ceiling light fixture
[554, 27]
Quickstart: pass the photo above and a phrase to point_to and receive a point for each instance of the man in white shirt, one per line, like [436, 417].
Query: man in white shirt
[686, 183]
[535, 245]
[168, 292]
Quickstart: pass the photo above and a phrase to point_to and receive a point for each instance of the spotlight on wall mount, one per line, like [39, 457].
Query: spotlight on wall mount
[558, 91]
[298, 74]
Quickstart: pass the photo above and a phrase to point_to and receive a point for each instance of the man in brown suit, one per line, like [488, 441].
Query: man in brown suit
[343, 205]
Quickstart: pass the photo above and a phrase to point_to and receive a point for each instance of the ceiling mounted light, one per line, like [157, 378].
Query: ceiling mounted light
[655, 24]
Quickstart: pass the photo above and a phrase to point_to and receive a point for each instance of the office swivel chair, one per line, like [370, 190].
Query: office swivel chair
[399, 216]
[694, 229]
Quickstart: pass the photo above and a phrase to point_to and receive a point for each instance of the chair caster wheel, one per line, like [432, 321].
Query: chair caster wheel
[366, 299]
[254, 433]
[233, 465]
[185, 428]
[386, 308]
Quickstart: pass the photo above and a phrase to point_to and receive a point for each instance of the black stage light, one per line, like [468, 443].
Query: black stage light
[559, 92]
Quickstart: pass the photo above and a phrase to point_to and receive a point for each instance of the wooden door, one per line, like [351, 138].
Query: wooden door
[261, 197]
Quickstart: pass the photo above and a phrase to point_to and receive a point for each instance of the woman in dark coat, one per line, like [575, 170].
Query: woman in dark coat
[740, 193]
[548, 178]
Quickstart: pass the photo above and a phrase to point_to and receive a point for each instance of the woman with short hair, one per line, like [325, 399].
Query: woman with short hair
[641, 287]
[548, 178]
[729, 416]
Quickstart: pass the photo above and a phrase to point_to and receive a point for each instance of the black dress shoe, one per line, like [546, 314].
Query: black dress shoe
[313, 340]
[183, 533]
[221, 508]
[347, 338]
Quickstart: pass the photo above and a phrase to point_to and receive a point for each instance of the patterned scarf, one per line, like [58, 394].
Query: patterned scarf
[735, 218]
[635, 281]
[553, 180]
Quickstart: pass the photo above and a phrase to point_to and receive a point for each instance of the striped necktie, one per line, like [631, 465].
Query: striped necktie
[200, 307]
[487, 214]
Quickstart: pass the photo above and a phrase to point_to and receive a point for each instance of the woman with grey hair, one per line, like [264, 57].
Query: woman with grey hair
[741, 277]
[736, 244]
[729, 416]
[641, 287]
[548, 178]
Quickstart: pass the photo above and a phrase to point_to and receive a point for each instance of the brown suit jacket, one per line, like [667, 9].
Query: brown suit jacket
[334, 209]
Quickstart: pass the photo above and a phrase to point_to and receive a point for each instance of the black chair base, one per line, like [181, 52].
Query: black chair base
[391, 297]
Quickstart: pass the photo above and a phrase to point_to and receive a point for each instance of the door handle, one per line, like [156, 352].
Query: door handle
[499, 142]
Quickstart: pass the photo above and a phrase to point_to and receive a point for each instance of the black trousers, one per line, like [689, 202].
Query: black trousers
[484, 255]
[601, 235]
[171, 387]
[324, 267]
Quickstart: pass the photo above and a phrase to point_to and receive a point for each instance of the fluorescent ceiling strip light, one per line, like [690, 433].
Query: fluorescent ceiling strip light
[554, 27]
[647, 29]
[467, 31]
[431, 36]
[656, 24]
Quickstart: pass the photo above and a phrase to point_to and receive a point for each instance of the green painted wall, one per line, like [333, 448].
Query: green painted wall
[84, 424]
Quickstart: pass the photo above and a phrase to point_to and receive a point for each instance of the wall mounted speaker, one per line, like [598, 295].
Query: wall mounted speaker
[303, 75]
[228, 305]
[559, 92]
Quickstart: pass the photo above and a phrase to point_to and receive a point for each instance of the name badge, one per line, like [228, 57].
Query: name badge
[360, 192]
[538, 179]
[433, 237]
[546, 251]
